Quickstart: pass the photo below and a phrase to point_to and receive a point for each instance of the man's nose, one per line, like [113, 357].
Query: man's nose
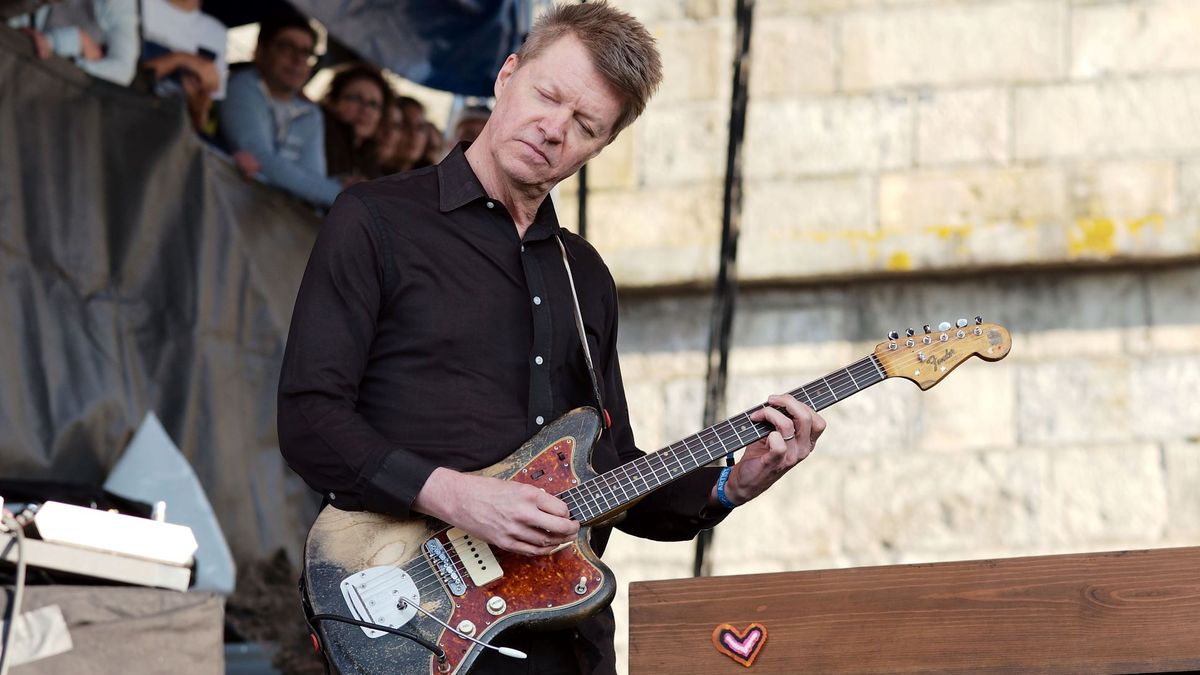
[554, 124]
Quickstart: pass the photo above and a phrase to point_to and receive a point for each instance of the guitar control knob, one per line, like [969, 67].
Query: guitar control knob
[496, 605]
[927, 330]
[893, 335]
[466, 627]
[909, 332]
[944, 326]
[978, 320]
[962, 323]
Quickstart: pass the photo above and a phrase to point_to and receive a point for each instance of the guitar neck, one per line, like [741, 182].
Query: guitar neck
[613, 491]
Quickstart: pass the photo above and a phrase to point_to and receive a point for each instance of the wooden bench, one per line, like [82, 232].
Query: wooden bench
[1121, 612]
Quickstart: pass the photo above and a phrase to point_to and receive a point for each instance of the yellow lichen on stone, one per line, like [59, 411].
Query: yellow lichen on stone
[1091, 237]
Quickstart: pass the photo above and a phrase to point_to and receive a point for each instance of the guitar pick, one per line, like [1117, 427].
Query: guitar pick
[741, 646]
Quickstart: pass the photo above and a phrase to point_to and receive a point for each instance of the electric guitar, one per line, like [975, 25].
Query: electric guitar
[418, 596]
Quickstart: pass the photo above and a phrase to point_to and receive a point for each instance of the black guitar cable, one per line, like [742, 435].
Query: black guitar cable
[437, 651]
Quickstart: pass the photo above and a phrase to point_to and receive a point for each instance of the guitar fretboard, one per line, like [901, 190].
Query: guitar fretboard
[611, 491]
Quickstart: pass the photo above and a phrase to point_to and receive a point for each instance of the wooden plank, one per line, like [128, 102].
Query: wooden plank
[1120, 612]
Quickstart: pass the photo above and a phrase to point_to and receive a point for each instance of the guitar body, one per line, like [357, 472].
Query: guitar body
[358, 564]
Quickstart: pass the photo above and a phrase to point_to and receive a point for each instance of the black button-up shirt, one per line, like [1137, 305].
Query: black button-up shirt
[426, 333]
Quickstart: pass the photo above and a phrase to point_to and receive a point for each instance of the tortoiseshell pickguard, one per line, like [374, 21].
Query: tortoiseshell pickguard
[531, 584]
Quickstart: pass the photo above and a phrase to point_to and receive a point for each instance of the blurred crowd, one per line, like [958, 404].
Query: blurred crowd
[256, 112]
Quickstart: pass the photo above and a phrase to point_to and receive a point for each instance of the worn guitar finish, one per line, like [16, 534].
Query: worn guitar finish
[373, 568]
[538, 591]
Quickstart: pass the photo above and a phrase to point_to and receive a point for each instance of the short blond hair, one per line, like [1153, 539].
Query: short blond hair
[620, 48]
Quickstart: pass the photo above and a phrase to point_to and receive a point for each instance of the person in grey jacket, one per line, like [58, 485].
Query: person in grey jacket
[100, 36]
[272, 130]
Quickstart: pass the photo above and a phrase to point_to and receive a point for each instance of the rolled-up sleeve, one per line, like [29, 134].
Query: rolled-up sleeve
[321, 434]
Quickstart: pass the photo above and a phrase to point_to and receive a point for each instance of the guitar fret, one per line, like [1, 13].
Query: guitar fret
[589, 503]
[831, 393]
[621, 484]
[668, 472]
[804, 390]
[690, 451]
[847, 370]
[875, 362]
[675, 456]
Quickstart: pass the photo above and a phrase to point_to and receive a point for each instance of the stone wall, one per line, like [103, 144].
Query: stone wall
[908, 162]
[890, 136]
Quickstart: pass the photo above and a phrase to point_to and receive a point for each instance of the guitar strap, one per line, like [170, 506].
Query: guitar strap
[587, 353]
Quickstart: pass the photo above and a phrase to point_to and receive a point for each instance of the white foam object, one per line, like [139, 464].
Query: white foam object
[116, 533]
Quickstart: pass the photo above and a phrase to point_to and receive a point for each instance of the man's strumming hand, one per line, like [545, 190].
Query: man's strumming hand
[514, 516]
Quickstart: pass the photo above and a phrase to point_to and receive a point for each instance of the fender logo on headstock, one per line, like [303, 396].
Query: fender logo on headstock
[935, 361]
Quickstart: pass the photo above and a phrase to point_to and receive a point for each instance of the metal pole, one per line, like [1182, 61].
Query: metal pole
[725, 293]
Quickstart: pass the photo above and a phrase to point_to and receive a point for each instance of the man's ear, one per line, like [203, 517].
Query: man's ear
[506, 73]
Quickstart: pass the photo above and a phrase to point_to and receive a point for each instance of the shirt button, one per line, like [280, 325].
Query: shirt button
[332, 496]
[538, 360]
[491, 205]
[539, 419]
[537, 299]
[522, 248]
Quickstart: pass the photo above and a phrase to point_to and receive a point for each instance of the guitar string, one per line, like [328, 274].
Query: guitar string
[868, 365]
[861, 367]
[721, 433]
[430, 574]
[589, 504]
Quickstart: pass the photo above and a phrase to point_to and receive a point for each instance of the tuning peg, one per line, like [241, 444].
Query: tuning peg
[927, 330]
[962, 323]
[978, 320]
[944, 326]
[909, 332]
[893, 335]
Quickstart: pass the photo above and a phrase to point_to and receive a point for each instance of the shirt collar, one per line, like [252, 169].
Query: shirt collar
[458, 186]
[457, 182]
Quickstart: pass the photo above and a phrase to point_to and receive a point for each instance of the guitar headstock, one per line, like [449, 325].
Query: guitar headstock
[927, 358]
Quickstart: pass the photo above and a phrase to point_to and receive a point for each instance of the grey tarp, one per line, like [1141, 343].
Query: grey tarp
[132, 631]
[139, 272]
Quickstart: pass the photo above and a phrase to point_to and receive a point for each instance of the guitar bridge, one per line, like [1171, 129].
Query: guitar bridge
[476, 556]
[446, 569]
[371, 596]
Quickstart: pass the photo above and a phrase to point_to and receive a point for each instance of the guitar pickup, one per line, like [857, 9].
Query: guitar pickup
[476, 556]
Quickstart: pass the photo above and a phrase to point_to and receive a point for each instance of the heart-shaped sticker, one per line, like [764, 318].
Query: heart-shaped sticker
[741, 646]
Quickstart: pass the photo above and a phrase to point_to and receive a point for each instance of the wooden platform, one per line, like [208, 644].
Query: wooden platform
[1122, 612]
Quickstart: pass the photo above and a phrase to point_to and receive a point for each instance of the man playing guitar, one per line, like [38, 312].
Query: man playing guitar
[436, 330]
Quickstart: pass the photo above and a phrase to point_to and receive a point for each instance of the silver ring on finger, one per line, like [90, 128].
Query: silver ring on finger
[789, 438]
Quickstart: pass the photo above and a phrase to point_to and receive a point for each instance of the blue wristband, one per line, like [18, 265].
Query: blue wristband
[721, 481]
